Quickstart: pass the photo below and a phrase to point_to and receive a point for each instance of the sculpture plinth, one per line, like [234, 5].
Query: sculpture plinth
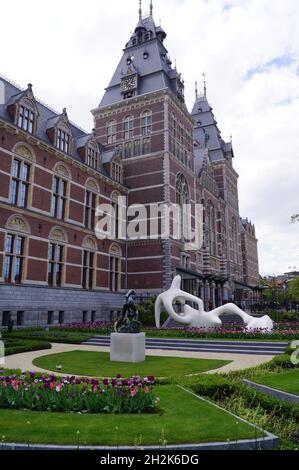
[126, 347]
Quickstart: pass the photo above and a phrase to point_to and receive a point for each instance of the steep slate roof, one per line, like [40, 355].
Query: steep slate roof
[47, 119]
[155, 72]
[206, 131]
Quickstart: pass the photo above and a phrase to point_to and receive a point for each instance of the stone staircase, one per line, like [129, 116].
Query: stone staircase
[216, 346]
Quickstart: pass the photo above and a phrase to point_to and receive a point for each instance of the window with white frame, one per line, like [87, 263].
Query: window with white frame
[20, 183]
[111, 132]
[59, 198]
[26, 119]
[128, 127]
[63, 141]
[55, 264]
[92, 157]
[14, 258]
[146, 123]
[88, 270]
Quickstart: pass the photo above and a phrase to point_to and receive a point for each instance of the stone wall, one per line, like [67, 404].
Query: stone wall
[36, 303]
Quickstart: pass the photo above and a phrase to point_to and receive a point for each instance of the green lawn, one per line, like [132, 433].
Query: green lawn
[98, 364]
[184, 419]
[287, 381]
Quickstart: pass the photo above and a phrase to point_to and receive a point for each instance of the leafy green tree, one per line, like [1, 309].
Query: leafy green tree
[294, 290]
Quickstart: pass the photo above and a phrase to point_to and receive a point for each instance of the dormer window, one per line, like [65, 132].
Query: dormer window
[92, 157]
[145, 55]
[63, 141]
[147, 37]
[26, 119]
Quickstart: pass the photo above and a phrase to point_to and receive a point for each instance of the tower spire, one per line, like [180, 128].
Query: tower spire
[140, 9]
[196, 91]
[204, 84]
[151, 8]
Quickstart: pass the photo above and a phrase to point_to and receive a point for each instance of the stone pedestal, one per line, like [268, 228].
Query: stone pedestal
[127, 347]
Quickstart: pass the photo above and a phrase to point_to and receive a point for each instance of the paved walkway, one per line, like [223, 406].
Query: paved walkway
[23, 361]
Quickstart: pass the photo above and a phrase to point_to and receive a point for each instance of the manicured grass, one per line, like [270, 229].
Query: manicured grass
[90, 363]
[184, 419]
[287, 381]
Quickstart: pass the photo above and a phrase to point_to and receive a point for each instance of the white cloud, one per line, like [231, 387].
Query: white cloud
[69, 51]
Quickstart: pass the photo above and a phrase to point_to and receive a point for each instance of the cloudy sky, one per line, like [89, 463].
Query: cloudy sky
[249, 50]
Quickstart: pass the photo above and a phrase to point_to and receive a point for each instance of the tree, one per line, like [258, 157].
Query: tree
[293, 286]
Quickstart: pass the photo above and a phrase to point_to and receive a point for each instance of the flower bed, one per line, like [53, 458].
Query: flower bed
[282, 331]
[35, 392]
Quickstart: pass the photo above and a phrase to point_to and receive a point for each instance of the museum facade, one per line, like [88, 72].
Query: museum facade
[146, 148]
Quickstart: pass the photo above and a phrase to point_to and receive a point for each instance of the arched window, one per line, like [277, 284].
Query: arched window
[128, 127]
[111, 132]
[211, 228]
[234, 239]
[146, 123]
[182, 200]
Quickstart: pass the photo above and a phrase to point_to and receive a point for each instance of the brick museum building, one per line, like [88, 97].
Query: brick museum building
[145, 146]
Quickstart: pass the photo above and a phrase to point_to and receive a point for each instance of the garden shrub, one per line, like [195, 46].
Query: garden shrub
[17, 346]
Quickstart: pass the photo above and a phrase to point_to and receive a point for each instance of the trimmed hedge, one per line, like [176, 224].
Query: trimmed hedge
[219, 388]
[48, 336]
[13, 346]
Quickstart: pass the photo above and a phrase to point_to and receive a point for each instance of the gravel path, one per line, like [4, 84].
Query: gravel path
[23, 361]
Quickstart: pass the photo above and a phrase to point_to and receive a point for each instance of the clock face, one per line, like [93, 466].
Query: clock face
[129, 83]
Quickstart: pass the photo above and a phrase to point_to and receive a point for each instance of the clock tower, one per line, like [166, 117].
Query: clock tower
[142, 118]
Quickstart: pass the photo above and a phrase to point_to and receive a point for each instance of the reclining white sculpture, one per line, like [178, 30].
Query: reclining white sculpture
[199, 318]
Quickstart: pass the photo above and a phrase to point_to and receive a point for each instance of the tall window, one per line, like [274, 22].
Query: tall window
[129, 127]
[14, 258]
[211, 229]
[26, 119]
[63, 141]
[128, 149]
[59, 198]
[20, 183]
[146, 123]
[92, 158]
[115, 273]
[111, 132]
[90, 210]
[234, 239]
[182, 199]
[88, 269]
[117, 172]
[56, 262]
[146, 146]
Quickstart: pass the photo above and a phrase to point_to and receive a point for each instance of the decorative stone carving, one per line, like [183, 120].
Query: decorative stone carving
[92, 185]
[24, 152]
[62, 170]
[115, 250]
[58, 234]
[90, 243]
[18, 224]
[198, 318]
